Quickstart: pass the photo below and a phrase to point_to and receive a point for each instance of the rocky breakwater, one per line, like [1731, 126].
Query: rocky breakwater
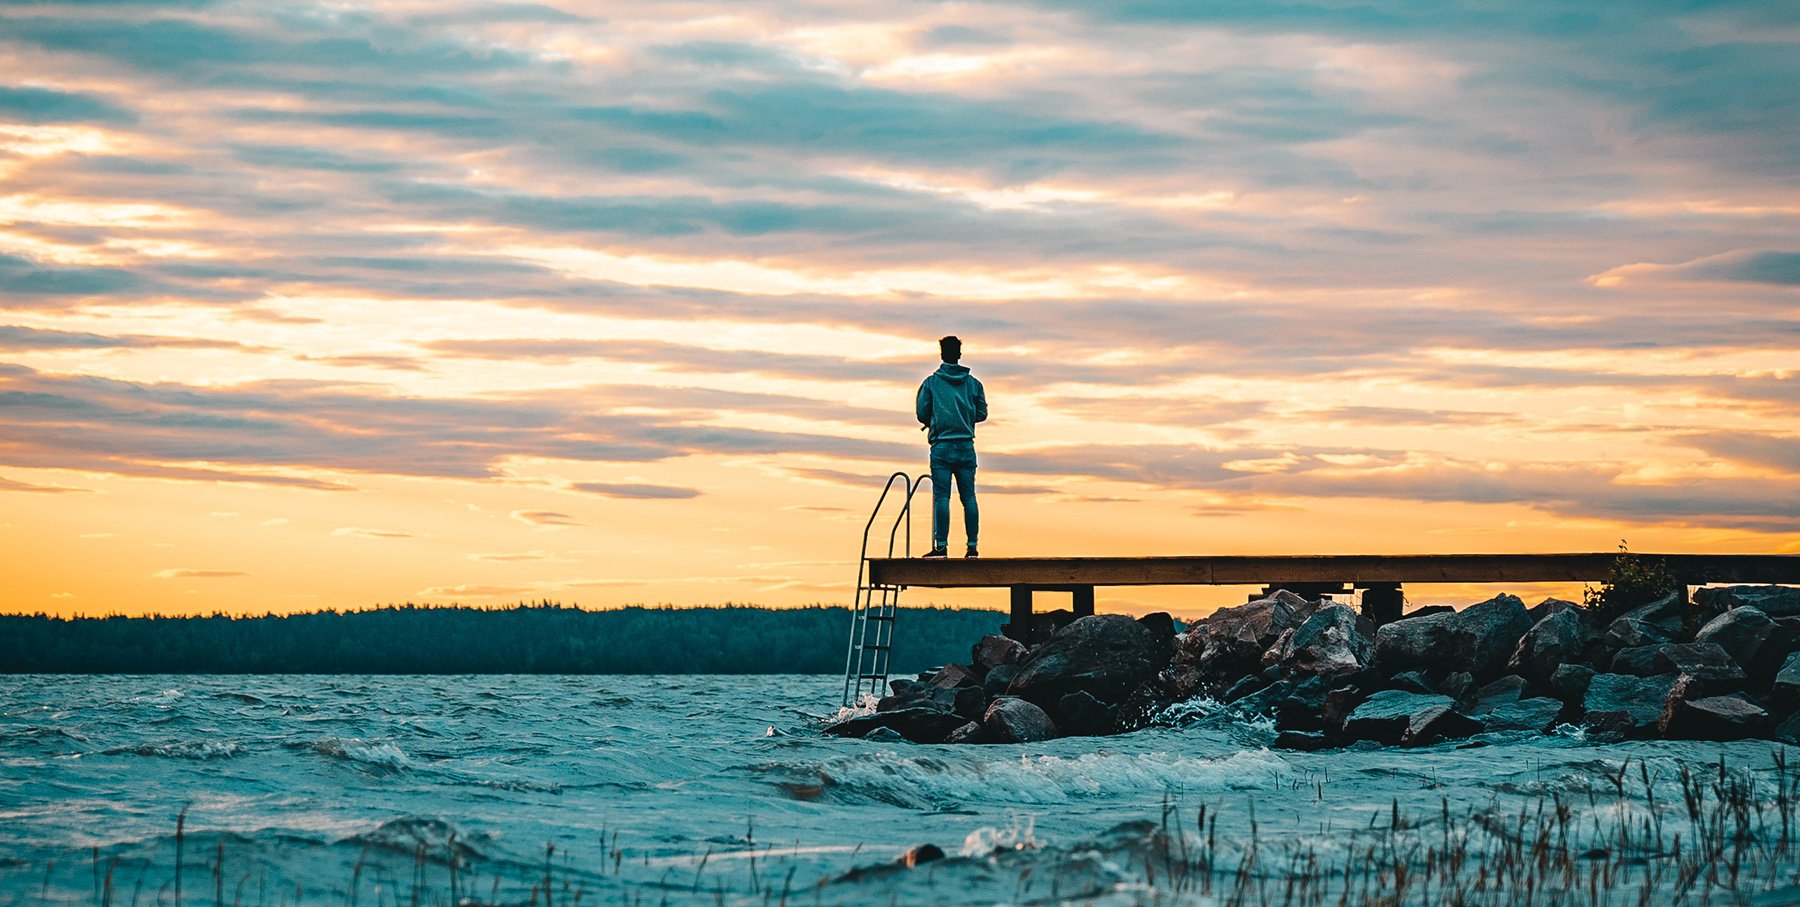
[1725, 666]
[1090, 678]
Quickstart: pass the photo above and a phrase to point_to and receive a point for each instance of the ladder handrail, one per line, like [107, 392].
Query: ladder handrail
[862, 604]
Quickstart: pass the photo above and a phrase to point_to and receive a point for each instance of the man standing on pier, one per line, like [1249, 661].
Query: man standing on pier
[950, 402]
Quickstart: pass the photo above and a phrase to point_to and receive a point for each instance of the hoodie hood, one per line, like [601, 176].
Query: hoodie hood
[955, 374]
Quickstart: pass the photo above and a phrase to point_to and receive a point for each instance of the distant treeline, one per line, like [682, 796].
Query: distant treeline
[544, 638]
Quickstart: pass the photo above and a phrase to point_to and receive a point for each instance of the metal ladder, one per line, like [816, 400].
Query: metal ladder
[874, 608]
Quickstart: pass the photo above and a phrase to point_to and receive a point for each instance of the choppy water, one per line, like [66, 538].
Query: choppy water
[340, 790]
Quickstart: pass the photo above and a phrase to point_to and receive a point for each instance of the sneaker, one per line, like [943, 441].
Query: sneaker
[937, 552]
[971, 553]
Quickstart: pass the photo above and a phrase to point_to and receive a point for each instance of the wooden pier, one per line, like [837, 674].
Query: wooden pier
[1380, 576]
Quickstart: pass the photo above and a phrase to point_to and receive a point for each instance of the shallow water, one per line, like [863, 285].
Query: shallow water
[369, 790]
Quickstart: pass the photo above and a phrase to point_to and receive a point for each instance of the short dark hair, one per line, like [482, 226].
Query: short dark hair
[950, 348]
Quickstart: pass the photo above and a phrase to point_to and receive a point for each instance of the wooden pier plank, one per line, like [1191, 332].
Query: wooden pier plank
[1358, 569]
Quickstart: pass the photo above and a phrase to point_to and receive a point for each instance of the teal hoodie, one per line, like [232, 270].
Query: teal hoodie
[950, 402]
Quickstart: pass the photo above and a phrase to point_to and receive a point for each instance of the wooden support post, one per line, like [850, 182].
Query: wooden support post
[1020, 628]
[1382, 602]
[1082, 601]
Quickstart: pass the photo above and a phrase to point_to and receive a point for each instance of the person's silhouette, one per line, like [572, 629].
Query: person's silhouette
[950, 402]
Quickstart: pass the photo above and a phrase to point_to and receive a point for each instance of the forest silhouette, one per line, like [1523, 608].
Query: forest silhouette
[541, 638]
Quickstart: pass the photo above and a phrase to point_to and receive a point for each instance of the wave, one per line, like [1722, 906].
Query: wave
[378, 755]
[434, 838]
[183, 749]
[931, 782]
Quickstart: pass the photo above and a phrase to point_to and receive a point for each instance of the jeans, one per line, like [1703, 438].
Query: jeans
[953, 459]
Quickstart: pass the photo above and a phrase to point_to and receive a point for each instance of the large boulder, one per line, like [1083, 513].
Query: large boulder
[1385, 716]
[1786, 688]
[1570, 682]
[1633, 632]
[1741, 632]
[1555, 640]
[1107, 655]
[1788, 731]
[1551, 606]
[1081, 715]
[1335, 640]
[1435, 723]
[1730, 717]
[993, 650]
[1666, 614]
[1638, 661]
[1478, 639]
[1013, 720]
[1623, 705]
[1703, 664]
[1536, 714]
[1232, 641]
[919, 725]
[1775, 601]
[966, 701]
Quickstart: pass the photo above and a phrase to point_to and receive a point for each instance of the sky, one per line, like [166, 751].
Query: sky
[315, 305]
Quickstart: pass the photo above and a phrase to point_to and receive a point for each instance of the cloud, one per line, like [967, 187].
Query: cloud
[478, 590]
[636, 491]
[371, 533]
[188, 573]
[15, 338]
[30, 104]
[544, 518]
[7, 484]
[1779, 452]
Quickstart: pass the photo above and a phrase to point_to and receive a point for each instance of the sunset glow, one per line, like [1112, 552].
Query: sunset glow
[327, 306]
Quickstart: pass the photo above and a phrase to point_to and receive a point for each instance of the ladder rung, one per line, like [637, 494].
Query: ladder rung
[876, 648]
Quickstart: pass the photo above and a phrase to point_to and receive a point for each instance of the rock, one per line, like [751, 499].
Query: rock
[998, 678]
[994, 650]
[1160, 625]
[1626, 705]
[1703, 663]
[1107, 655]
[1479, 639]
[1264, 701]
[1010, 719]
[1556, 639]
[1386, 715]
[1550, 606]
[1638, 661]
[1788, 731]
[1339, 703]
[1438, 722]
[924, 853]
[1775, 601]
[1081, 715]
[1304, 707]
[1459, 686]
[1665, 614]
[953, 676]
[917, 724]
[908, 694]
[1631, 632]
[1411, 682]
[885, 735]
[968, 733]
[1787, 683]
[1570, 682]
[1503, 691]
[1428, 611]
[1304, 741]
[1741, 632]
[1335, 640]
[1538, 714]
[1729, 717]
[1280, 650]
[1236, 638]
[1245, 685]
